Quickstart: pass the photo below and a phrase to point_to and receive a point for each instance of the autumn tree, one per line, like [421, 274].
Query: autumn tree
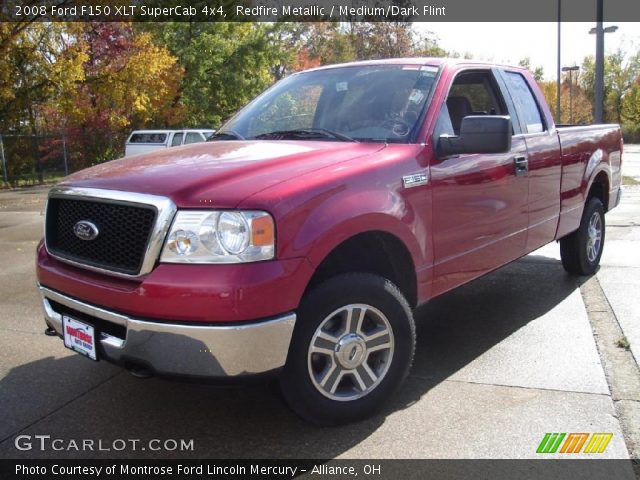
[575, 106]
[39, 62]
[98, 81]
[328, 43]
[373, 40]
[42, 62]
[127, 82]
[332, 42]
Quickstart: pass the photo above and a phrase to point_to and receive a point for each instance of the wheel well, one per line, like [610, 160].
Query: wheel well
[379, 253]
[600, 189]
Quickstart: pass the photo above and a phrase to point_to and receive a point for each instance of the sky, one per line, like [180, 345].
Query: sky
[508, 43]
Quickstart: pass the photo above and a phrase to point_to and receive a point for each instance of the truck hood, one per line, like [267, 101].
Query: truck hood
[218, 174]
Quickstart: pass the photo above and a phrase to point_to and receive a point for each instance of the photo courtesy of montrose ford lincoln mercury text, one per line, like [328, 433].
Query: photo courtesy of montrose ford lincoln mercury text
[297, 241]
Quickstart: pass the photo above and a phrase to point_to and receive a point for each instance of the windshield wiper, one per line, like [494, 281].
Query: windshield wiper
[225, 135]
[306, 133]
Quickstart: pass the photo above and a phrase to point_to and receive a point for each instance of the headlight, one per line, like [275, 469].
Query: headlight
[209, 236]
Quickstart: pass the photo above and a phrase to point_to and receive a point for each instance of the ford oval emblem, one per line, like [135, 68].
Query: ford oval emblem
[85, 230]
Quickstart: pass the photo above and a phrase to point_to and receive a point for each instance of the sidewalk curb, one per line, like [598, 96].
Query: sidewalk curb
[620, 368]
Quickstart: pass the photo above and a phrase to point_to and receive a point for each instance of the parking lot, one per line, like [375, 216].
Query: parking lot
[500, 362]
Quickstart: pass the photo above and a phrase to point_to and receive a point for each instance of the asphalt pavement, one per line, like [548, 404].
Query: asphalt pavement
[500, 362]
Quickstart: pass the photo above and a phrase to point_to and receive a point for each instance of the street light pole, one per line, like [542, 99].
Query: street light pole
[558, 65]
[5, 174]
[575, 68]
[599, 63]
[599, 80]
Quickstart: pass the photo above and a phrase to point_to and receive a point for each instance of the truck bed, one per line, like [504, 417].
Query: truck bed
[585, 148]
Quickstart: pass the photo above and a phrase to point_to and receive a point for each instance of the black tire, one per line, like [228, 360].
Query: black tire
[298, 387]
[574, 247]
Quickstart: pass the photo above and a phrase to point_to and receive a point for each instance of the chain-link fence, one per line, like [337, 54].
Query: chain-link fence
[32, 159]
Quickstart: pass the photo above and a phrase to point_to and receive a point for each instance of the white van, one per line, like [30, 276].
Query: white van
[143, 141]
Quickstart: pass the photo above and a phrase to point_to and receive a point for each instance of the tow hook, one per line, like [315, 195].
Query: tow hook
[50, 332]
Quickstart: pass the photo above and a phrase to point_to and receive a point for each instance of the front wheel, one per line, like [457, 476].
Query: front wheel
[352, 347]
[581, 250]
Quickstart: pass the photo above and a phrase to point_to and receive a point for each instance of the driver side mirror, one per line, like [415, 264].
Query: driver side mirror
[478, 134]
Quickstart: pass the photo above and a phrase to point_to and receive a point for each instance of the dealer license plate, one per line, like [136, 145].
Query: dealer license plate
[79, 337]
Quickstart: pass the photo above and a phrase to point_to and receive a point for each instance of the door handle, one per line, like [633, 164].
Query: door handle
[521, 165]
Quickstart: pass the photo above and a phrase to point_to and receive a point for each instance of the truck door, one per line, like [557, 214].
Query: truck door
[479, 201]
[544, 162]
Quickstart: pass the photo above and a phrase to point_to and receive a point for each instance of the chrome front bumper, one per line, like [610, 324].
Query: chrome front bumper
[180, 349]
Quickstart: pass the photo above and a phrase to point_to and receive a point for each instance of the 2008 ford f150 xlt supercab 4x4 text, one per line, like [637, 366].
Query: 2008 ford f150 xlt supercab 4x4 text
[299, 239]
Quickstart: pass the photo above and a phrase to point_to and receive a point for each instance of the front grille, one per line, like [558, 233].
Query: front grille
[124, 232]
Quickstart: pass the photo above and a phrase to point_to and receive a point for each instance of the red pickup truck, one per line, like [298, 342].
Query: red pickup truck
[299, 239]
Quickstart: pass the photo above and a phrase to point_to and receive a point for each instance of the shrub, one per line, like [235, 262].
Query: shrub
[631, 133]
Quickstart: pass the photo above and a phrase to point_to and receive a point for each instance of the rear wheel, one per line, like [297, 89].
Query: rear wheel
[351, 349]
[581, 250]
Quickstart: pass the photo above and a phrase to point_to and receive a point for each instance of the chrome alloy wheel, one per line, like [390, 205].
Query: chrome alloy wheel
[594, 237]
[350, 352]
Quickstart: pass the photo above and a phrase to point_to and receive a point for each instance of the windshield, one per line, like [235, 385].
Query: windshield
[374, 103]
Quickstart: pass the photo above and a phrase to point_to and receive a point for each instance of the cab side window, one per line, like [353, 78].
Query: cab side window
[177, 139]
[192, 137]
[472, 93]
[525, 103]
[443, 125]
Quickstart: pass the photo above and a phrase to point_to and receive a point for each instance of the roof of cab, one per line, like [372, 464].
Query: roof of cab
[432, 61]
[168, 130]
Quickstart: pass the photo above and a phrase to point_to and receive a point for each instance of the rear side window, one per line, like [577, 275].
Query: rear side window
[148, 138]
[177, 139]
[525, 103]
[193, 137]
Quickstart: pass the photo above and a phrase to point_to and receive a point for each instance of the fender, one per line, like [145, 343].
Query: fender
[570, 218]
[341, 217]
[597, 163]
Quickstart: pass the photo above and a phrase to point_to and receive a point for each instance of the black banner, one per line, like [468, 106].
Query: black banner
[318, 10]
[551, 469]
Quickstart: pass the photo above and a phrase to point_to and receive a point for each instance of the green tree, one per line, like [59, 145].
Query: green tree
[225, 65]
[537, 72]
[285, 44]
[620, 73]
[630, 110]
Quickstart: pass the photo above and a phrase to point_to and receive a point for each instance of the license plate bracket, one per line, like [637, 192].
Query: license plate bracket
[79, 337]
